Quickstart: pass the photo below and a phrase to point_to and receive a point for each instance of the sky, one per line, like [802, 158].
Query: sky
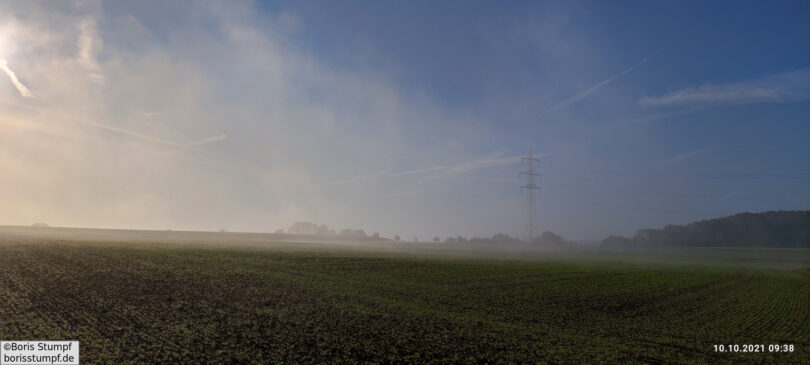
[405, 117]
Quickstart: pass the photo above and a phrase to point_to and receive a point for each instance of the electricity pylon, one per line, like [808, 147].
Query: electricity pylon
[531, 187]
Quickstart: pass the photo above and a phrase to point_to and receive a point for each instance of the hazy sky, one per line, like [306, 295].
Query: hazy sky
[401, 117]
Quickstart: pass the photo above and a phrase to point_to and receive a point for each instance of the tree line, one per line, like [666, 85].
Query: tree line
[768, 229]
[546, 239]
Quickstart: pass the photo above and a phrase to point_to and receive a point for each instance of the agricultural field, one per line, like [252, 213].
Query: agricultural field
[165, 302]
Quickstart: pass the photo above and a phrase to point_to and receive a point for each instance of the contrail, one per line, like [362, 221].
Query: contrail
[206, 141]
[14, 80]
[357, 178]
[591, 89]
[463, 167]
[188, 146]
[418, 171]
[131, 133]
[432, 172]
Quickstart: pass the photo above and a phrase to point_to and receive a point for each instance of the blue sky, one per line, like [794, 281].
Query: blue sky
[404, 117]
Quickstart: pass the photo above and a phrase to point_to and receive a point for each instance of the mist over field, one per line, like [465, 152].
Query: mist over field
[168, 297]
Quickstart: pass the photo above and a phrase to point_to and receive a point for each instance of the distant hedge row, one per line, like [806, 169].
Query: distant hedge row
[769, 229]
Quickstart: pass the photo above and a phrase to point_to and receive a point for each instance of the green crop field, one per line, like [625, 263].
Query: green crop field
[135, 302]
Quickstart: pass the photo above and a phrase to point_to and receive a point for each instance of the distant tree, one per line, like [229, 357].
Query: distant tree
[375, 236]
[415, 239]
[357, 233]
[396, 238]
[303, 228]
[450, 240]
[616, 242]
[279, 231]
[646, 237]
[322, 230]
[501, 238]
[436, 239]
[549, 238]
[768, 229]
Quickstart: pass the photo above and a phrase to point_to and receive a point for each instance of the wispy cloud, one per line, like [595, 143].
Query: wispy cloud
[683, 156]
[664, 115]
[88, 44]
[14, 80]
[434, 172]
[567, 102]
[775, 88]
